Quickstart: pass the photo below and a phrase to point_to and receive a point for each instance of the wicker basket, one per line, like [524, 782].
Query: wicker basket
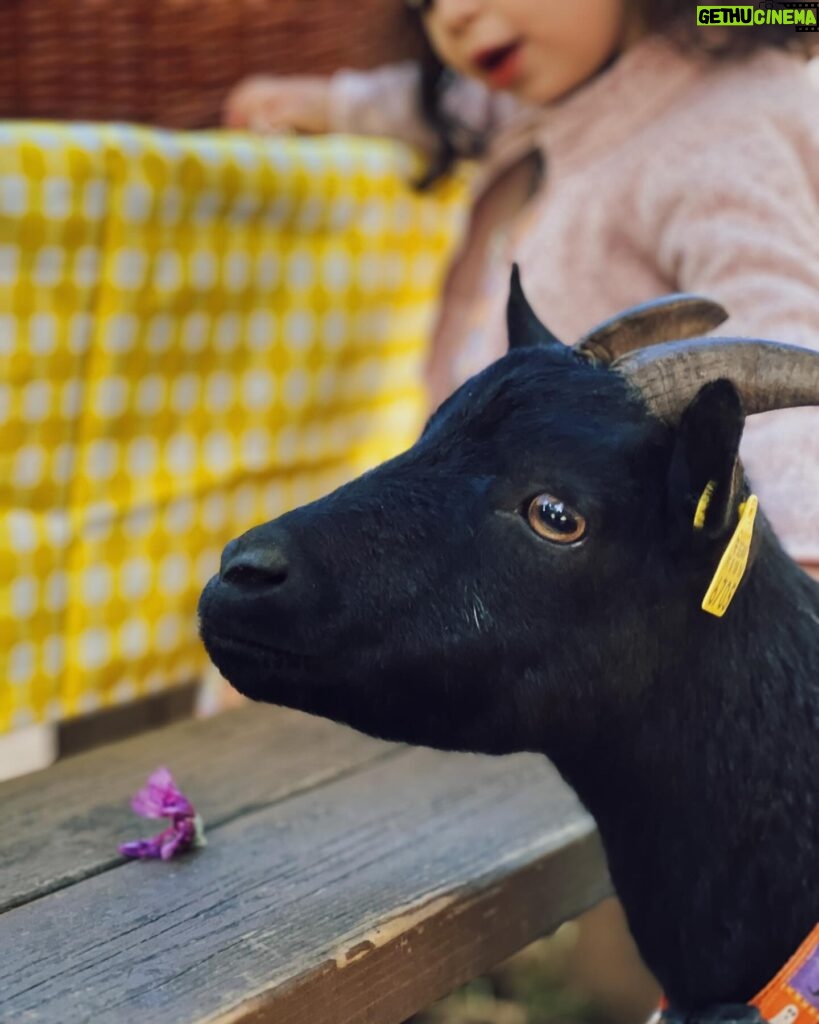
[171, 62]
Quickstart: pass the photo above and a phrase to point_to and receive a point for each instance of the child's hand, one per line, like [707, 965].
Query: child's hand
[270, 104]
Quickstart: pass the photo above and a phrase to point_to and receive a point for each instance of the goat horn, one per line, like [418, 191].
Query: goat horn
[768, 375]
[669, 318]
[522, 322]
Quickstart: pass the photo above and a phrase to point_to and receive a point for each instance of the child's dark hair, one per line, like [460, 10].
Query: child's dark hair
[674, 19]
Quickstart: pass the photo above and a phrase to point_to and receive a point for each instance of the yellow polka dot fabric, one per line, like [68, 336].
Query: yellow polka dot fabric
[197, 332]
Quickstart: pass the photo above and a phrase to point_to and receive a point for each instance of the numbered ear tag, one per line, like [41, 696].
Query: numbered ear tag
[733, 563]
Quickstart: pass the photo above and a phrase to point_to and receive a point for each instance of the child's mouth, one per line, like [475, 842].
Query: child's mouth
[500, 64]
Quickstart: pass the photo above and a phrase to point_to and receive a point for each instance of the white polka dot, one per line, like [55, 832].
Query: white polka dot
[185, 393]
[180, 516]
[228, 332]
[55, 592]
[63, 461]
[214, 512]
[168, 633]
[261, 330]
[296, 388]
[237, 271]
[310, 212]
[160, 333]
[48, 266]
[135, 578]
[58, 528]
[28, 465]
[53, 648]
[273, 499]
[89, 701]
[151, 394]
[25, 592]
[111, 397]
[325, 383]
[299, 329]
[97, 584]
[95, 199]
[168, 270]
[219, 392]
[256, 446]
[258, 389]
[13, 195]
[22, 659]
[80, 332]
[203, 269]
[206, 207]
[119, 333]
[142, 456]
[125, 691]
[136, 202]
[102, 459]
[71, 398]
[43, 334]
[94, 648]
[207, 563]
[342, 213]
[181, 454]
[267, 271]
[99, 520]
[300, 270]
[134, 638]
[5, 402]
[22, 531]
[171, 205]
[86, 266]
[334, 330]
[138, 523]
[35, 400]
[8, 334]
[288, 443]
[218, 451]
[195, 332]
[57, 195]
[130, 266]
[9, 260]
[174, 573]
[422, 271]
[336, 270]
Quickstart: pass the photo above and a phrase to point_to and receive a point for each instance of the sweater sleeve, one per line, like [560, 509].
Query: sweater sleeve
[739, 221]
[387, 102]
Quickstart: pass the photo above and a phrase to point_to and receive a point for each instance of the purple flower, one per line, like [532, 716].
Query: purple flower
[161, 798]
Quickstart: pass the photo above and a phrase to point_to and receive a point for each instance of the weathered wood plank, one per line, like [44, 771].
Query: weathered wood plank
[64, 823]
[361, 900]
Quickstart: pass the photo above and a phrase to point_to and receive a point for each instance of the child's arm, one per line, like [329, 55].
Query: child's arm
[738, 220]
[384, 102]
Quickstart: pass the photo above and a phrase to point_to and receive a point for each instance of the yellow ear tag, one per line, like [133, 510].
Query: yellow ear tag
[733, 563]
[703, 503]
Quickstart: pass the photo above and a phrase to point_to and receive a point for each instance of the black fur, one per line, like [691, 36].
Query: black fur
[417, 604]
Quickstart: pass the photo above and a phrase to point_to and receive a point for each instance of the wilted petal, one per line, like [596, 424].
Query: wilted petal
[161, 797]
[143, 849]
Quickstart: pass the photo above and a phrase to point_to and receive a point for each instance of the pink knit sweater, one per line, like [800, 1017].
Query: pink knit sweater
[664, 173]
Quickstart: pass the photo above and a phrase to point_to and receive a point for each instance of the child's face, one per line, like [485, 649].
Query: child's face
[537, 49]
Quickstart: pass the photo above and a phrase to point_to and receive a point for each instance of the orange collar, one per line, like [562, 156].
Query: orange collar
[792, 997]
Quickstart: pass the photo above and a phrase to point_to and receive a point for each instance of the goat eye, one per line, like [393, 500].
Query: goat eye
[551, 518]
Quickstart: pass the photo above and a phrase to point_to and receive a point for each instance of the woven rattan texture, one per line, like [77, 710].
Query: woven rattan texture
[171, 62]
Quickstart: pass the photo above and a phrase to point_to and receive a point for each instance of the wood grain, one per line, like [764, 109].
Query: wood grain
[358, 901]
[63, 824]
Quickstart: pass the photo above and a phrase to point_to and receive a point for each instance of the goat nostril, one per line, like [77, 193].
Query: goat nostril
[267, 567]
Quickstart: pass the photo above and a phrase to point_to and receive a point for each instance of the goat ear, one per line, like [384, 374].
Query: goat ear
[705, 476]
[522, 323]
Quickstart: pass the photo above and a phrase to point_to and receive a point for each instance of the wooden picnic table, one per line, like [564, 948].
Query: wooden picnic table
[345, 880]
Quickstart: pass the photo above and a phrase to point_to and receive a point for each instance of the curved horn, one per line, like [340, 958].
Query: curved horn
[669, 318]
[522, 323]
[767, 374]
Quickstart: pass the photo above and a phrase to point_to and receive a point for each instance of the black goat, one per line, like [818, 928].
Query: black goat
[529, 577]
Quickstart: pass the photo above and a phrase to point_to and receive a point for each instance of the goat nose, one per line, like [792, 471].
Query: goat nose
[260, 566]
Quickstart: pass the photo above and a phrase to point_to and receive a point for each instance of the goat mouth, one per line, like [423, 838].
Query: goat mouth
[222, 648]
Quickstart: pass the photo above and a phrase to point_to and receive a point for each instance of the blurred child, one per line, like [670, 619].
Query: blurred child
[624, 153]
